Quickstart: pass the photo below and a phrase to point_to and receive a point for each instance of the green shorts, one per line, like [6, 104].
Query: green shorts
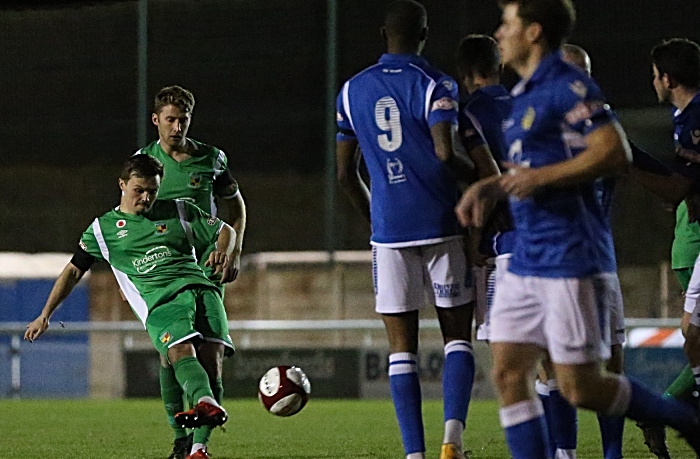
[208, 270]
[195, 313]
[683, 275]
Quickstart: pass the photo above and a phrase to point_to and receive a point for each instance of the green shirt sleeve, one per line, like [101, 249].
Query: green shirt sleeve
[89, 244]
[205, 228]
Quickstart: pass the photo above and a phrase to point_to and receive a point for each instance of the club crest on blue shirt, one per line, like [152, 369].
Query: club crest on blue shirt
[394, 169]
[528, 119]
[161, 228]
[195, 180]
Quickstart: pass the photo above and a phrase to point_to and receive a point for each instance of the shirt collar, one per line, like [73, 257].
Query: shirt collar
[678, 114]
[545, 65]
[387, 58]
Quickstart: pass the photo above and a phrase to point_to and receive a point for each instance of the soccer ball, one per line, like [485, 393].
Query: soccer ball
[284, 390]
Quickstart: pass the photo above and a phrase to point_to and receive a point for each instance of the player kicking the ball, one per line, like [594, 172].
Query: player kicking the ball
[149, 244]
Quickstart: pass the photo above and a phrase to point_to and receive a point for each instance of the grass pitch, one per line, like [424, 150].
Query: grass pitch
[324, 429]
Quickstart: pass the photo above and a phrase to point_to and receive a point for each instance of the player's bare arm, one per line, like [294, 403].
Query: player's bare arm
[607, 153]
[237, 219]
[67, 280]
[349, 180]
[482, 157]
[444, 138]
[221, 258]
[672, 188]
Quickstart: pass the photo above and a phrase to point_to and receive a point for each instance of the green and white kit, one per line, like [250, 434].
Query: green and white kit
[153, 259]
[197, 179]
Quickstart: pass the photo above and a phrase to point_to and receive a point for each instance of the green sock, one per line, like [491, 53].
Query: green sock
[171, 393]
[193, 379]
[217, 386]
[683, 386]
[202, 434]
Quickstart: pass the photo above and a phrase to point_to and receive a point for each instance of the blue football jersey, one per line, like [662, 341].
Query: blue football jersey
[686, 139]
[389, 108]
[481, 118]
[561, 232]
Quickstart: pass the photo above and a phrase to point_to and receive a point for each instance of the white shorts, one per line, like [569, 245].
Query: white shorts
[616, 308]
[567, 316]
[404, 276]
[692, 307]
[486, 288]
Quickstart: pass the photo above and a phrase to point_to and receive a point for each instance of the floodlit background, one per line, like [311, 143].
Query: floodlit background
[77, 79]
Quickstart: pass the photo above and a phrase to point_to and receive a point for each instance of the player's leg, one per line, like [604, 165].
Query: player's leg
[517, 344]
[171, 329]
[576, 341]
[398, 295]
[612, 427]
[173, 399]
[212, 323]
[453, 294]
[692, 343]
[684, 385]
[562, 422]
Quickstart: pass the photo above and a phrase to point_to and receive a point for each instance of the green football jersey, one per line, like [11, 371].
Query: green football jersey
[152, 254]
[686, 241]
[195, 179]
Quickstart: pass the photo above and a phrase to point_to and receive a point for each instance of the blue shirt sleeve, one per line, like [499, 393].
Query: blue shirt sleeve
[583, 105]
[443, 104]
[345, 129]
[469, 133]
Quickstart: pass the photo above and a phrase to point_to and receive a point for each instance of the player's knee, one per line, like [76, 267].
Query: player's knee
[580, 392]
[692, 341]
[509, 378]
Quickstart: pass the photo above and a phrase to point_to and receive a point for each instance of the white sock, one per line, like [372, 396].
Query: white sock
[565, 454]
[453, 432]
[416, 456]
[197, 446]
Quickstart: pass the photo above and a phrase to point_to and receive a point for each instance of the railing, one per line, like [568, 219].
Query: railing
[16, 331]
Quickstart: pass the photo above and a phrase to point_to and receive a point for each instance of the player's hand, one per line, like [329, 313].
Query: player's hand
[521, 182]
[235, 265]
[472, 207]
[222, 264]
[36, 328]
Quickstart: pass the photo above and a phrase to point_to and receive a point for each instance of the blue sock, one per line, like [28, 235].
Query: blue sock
[638, 403]
[611, 429]
[405, 391]
[457, 379]
[526, 430]
[543, 394]
[564, 425]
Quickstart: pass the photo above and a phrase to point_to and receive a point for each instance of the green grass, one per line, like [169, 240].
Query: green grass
[324, 429]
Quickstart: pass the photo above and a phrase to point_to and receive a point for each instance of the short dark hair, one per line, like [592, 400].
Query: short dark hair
[174, 95]
[478, 55]
[141, 166]
[556, 17]
[679, 58]
[405, 18]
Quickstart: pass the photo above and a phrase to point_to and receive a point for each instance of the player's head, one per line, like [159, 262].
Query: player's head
[675, 63]
[405, 25]
[139, 181]
[478, 58]
[172, 114]
[526, 24]
[577, 56]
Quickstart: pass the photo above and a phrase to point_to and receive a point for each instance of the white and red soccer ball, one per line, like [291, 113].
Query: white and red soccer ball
[284, 390]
